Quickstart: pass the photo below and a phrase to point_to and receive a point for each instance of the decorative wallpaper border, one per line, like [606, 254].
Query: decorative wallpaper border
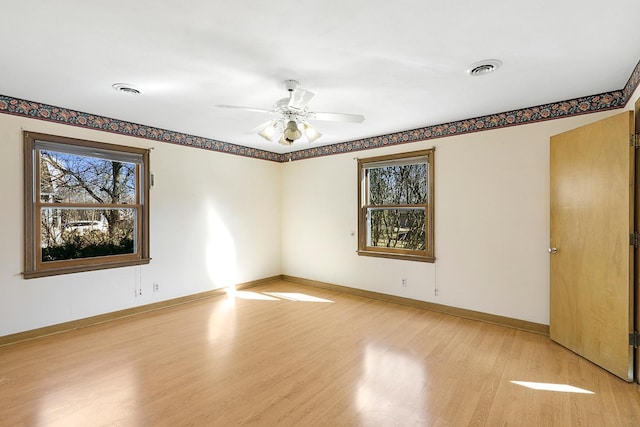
[632, 83]
[36, 110]
[556, 110]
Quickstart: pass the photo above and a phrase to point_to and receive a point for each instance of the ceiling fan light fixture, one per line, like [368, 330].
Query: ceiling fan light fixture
[268, 132]
[311, 134]
[284, 141]
[291, 114]
[291, 132]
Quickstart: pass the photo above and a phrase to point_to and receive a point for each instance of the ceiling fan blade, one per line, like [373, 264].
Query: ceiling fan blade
[337, 117]
[257, 110]
[299, 99]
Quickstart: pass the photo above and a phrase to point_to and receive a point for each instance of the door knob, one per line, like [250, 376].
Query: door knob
[553, 251]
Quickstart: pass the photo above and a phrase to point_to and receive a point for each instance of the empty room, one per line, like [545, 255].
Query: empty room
[283, 213]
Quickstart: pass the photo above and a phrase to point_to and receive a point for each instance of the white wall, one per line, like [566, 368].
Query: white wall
[491, 222]
[218, 219]
[214, 221]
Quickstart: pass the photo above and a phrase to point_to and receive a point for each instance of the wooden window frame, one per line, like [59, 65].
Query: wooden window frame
[33, 265]
[428, 254]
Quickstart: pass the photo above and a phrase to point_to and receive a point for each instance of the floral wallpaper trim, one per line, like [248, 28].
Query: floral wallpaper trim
[632, 83]
[36, 110]
[555, 110]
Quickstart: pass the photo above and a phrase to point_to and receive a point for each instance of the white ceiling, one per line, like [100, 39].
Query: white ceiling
[399, 63]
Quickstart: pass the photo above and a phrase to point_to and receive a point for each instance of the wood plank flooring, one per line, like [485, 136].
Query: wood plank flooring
[282, 354]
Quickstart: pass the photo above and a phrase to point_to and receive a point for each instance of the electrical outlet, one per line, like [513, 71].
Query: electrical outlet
[156, 287]
[404, 283]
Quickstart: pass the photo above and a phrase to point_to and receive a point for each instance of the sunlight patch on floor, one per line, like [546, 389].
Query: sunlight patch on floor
[72, 399]
[222, 322]
[295, 296]
[392, 386]
[253, 295]
[272, 296]
[564, 388]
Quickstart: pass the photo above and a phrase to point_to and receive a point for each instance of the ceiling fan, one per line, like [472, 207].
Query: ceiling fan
[293, 115]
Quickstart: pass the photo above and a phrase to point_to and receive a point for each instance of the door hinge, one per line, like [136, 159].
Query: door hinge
[634, 339]
[634, 140]
[634, 239]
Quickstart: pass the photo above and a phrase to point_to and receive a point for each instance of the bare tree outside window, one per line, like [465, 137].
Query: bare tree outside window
[401, 227]
[69, 233]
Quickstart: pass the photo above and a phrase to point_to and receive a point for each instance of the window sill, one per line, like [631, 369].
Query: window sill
[405, 257]
[81, 268]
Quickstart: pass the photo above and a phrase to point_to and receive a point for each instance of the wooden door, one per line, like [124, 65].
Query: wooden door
[592, 216]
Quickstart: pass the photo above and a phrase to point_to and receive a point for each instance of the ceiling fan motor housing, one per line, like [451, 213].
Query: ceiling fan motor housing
[290, 85]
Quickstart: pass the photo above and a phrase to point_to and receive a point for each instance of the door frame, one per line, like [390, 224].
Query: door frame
[636, 274]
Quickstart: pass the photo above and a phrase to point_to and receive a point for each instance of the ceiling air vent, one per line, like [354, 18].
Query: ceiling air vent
[483, 67]
[126, 88]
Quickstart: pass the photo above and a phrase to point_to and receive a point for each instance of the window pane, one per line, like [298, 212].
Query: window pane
[397, 228]
[85, 233]
[70, 178]
[398, 185]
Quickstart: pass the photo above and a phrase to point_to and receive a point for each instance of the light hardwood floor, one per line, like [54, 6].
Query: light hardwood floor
[282, 354]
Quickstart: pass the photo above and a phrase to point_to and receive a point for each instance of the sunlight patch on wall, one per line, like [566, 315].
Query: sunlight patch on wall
[220, 252]
[563, 388]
